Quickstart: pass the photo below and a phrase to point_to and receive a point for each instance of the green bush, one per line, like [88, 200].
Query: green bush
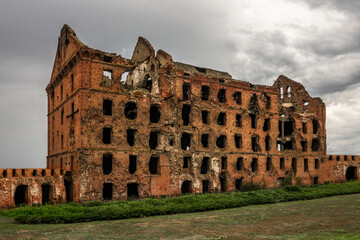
[292, 188]
[100, 211]
[250, 186]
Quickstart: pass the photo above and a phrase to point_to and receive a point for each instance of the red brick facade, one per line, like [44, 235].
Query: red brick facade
[120, 128]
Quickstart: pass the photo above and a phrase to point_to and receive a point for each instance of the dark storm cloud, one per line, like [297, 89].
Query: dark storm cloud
[314, 42]
[349, 6]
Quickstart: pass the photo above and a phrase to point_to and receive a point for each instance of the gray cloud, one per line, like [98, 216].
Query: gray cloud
[313, 42]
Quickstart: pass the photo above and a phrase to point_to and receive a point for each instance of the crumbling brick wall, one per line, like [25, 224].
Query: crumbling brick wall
[121, 128]
[31, 186]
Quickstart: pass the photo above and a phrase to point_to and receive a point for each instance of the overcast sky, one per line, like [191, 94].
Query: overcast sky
[314, 42]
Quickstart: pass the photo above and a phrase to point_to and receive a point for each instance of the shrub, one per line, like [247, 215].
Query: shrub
[99, 211]
[292, 188]
[250, 186]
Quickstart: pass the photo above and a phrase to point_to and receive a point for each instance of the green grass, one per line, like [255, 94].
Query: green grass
[100, 211]
[334, 217]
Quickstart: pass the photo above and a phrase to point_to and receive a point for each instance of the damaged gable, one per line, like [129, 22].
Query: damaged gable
[68, 44]
[144, 73]
[143, 50]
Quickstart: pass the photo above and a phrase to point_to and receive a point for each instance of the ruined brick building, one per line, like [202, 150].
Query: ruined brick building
[120, 128]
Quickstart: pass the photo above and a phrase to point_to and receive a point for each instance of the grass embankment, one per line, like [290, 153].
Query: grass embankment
[95, 211]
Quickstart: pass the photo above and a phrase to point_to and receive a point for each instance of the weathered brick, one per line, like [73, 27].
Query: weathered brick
[257, 126]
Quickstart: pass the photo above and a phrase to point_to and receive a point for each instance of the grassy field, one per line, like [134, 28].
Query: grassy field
[335, 217]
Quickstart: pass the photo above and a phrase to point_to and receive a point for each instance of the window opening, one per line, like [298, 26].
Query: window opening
[186, 187]
[282, 163]
[132, 163]
[45, 193]
[254, 165]
[304, 127]
[132, 190]
[186, 91]
[221, 141]
[304, 145]
[186, 161]
[204, 165]
[238, 120]
[306, 165]
[237, 97]
[294, 165]
[288, 128]
[288, 145]
[107, 163]
[154, 165]
[107, 191]
[238, 140]
[253, 120]
[205, 186]
[315, 126]
[205, 92]
[124, 77]
[154, 113]
[171, 140]
[255, 143]
[266, 126]
[267, 143]
[107, 74]
[185, 114]
[205, 116]
[147, 82]
[130, 110]
[223, 163]
[267, 102]
[62, 116]
[315, 144]
[106, 138]
[130, 136]
[316, 180]
[268, 164]
[223, 183]
[240, 164]
[221, 119]
[185, 141]
[205, 140]
[21, 195]
[153, 140]
[222, 95]
[107, 107]
[351, 173]
[108, 59]
[317, 163]
[239, 183]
